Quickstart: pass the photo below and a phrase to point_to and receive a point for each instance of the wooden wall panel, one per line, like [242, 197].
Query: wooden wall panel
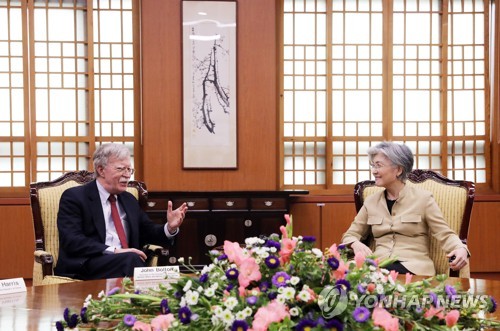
[162, 100]
[17, 241]
[483, 237]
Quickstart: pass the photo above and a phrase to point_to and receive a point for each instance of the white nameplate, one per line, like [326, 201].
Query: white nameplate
[13, 285]
[153, 273]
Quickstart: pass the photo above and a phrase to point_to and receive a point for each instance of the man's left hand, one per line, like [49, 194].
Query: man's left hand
[175, 217]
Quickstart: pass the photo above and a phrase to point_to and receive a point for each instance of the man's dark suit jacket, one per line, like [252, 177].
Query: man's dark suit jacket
[82, 228]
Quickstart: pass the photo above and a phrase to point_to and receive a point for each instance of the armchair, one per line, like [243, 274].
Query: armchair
[45, 198]
[454, 198]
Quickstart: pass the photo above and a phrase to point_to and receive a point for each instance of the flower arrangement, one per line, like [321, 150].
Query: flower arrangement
[284, 283]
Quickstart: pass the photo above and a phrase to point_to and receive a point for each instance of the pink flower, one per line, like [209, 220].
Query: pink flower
[141, 326]
[341, 270]
[432, 311]
[384, 319]
[273, 312]
[359, 258]
[287, 248]
[333, 250]
[249, 271]
[162, 322]
[394, 275]
[287, 219]
[234, 252]
[284, 233]
[409, 276]
[452, 317]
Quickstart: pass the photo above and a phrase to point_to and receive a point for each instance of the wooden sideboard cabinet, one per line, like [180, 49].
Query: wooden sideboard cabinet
[214, 217]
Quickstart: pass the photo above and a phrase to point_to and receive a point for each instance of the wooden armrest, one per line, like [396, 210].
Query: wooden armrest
[46, 260]
[155, 250]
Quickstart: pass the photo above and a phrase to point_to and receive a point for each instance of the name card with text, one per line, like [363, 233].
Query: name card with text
[156, 273]
[13, 285]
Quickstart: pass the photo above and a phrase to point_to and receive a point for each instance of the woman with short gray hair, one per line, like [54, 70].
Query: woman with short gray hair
[400, 217]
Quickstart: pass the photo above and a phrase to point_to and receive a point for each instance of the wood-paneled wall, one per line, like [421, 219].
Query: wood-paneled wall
[256, 104]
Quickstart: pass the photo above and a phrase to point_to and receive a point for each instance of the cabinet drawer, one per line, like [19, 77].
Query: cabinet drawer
[228, 203]
[192, 203]
[268, 203]
[157, 204]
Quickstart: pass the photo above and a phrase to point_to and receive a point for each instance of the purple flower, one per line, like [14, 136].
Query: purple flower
[222, 257]
[129, 320]
[185, 315]
[232, 273]
[272, 243]
[83, 315]
[178, 294]
[309, 239]
[272, 262]
[361, 314]
[73, 321]
[305, 324]
[451, 292]
[343, 284]
[264, 286]
[272, 295]
[229, 287]
[341, 247]
[493, 307]
[280, 278]
[164, 308]
[371, 262]
[66, 315]
[59, 326]
[239, 325]
[334, 324]
[361, 289]
[114, 290]
[203, 278]
[333, 263]
[252, 300]
[434, 299]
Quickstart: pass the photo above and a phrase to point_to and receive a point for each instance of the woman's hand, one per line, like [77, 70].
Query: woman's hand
[461, 258]
[359, 247]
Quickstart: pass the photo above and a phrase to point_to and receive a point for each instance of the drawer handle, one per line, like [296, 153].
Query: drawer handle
[191, 203]
[229, 203]
[151, 204]
[268, 203]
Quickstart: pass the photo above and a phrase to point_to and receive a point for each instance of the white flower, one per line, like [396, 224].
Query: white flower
[281, 299]
[217, 310]
[294, 311]
[380, 289]
[400, 288]
[187, 286]
[230, 303]
[209, 292]
[289, 293]
[273, 250]
[240, 315]
[199, 289]
[227, 317]
[101, 294]
[353, 296]
[192, 297]
[317, 252]
[372, 268]
[247, 311]
[181, 260]
[294, 280]
[304, 296]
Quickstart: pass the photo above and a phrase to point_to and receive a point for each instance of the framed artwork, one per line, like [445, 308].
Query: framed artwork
[209, 84]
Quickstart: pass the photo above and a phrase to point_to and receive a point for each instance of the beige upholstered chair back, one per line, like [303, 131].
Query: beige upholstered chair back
[45, 198]
[454, 198]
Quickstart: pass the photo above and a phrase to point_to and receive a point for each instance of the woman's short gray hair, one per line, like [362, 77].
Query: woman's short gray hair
[105, 151]
[399, 154]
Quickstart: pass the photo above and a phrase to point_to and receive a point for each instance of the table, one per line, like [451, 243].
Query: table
[41, 306]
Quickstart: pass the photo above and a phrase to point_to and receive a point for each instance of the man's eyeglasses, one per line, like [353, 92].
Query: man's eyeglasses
[122, 170]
